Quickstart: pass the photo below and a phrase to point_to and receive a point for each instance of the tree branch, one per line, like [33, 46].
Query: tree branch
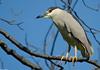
[89, 6]
[25, 49]
[54, 41]
[11, 22]
[45, 39]
[18, 57]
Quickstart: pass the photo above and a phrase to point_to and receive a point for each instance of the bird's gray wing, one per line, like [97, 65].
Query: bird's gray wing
[79, 33]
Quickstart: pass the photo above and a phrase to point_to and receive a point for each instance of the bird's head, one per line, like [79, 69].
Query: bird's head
[50, 13]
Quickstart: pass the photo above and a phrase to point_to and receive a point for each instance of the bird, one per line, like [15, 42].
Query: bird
[71, 30]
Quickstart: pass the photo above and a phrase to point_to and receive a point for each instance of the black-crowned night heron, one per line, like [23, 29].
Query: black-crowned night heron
[71, 31]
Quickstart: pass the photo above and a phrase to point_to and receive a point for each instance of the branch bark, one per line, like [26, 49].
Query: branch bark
[25, 49]
[18, 57]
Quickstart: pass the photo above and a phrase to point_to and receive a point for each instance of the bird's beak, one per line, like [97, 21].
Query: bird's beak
[40, 16]
[43, 16]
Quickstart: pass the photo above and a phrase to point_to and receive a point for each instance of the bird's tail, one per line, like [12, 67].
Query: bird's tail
[87, 52]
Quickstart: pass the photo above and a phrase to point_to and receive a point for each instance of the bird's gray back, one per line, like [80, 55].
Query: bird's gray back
[73, 26]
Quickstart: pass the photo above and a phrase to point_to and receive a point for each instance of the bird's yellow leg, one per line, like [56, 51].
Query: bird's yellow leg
[62, 58]
[68, 51]
[75, 57]
[67, 54]
[65, 57]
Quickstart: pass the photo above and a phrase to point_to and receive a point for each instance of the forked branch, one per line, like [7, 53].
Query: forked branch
[25, 49]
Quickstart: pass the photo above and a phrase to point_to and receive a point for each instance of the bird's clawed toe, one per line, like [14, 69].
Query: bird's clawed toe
[62, 58]
[73, 59]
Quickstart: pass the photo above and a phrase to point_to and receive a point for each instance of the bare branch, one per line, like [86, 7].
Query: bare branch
[12, 23]
[54, 41]
[45, 39]
[84, 5]
[25, 49]
[18, 57]
[94, 31]
[8, 22]
[30, 45]
[61, 68]
[75, 4]
[47, 64]
[45, 44]
[89, 7]
[64, 6]
[67, 3]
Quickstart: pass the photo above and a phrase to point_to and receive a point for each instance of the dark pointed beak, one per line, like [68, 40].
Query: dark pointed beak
[40, 16]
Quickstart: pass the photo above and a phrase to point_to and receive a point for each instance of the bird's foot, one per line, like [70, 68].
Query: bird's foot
[73, 59]
[66, 59]
[62, 58]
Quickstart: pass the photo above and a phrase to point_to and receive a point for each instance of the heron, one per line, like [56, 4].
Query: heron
[71, 30]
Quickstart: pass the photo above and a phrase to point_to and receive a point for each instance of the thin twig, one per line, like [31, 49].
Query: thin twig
[12, 23]
[61, 68]
[45, 39]
[89, 7]
[75, 4]
[45, 44]
[67, 4]
[54, 41]
[34, 48]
